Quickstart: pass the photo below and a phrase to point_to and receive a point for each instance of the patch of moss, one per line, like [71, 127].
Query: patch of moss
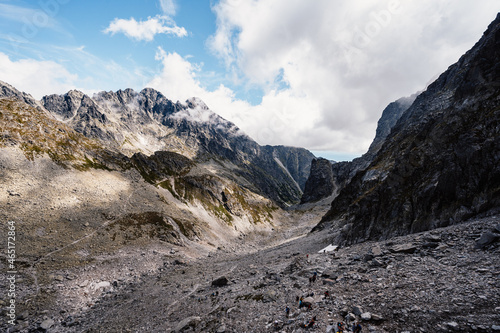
[187, 228]
[138, 225]
[91, 164]
[221, 212]
[166, 184]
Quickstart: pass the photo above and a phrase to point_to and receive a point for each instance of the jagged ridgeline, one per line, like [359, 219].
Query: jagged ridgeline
[148, 122]
[440, 162]
[133, 167]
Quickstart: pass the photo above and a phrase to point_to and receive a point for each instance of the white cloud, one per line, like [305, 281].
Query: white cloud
[145, 30]
[341, 62]
[81, 70]
[274, 121]
[168, 7]
[37, 78]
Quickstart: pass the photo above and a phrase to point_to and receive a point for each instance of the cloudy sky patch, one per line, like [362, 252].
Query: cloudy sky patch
[315, 74]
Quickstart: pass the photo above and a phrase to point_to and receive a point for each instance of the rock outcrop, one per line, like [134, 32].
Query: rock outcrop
[441, 162]
[390, 116]
[321, 183]
[8, 91]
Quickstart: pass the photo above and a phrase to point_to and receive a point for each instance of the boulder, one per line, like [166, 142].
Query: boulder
[329, 282]
[376, 251]
[376, 263]
[103, 285]
[357, 310]
[403, 248]
[220, 282]
[453, 325]
[486, 239]
[46, 324]
[308, 301]
[432, 238]
[366, 316]
[188, 322]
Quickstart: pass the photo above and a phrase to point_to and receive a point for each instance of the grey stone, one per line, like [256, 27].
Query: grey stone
[46, 324]
[220, 282]
[377, 263]
[376, 251]
[357, 310]
[366, 316]
[486, 239]
[329, 282]
[403, 248]
[188, 322]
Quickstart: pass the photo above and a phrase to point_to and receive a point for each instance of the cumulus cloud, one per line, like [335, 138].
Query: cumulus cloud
[37, 78]
[273, 121]
[341, 62]
[146, 30]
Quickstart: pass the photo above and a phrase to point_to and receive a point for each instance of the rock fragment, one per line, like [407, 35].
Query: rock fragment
[186, 323]
[46, 324]
[220, 282]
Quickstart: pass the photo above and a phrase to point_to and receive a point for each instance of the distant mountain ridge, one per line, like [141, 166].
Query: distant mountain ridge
[440, 164]
[147, 122]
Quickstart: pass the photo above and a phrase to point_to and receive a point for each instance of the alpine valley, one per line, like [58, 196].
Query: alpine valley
[134, 213]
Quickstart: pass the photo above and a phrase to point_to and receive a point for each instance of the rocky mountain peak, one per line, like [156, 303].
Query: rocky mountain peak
[389, 118]
[8, 91]
[196, 102]
[147, 122]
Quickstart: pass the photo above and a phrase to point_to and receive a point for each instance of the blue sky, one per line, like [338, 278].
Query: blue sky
[293, 72]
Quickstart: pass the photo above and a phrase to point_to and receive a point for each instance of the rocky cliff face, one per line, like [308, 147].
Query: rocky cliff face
[321, 182]
[147, 122]
[390, 116]
[440, 163]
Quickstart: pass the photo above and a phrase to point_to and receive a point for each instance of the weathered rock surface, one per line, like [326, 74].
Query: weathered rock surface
[321, 182]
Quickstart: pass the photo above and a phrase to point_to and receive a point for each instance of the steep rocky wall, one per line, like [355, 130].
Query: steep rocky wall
[321, 182]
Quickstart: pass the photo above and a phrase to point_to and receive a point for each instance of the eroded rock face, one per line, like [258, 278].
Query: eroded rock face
[441, 162]
[321, 182]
